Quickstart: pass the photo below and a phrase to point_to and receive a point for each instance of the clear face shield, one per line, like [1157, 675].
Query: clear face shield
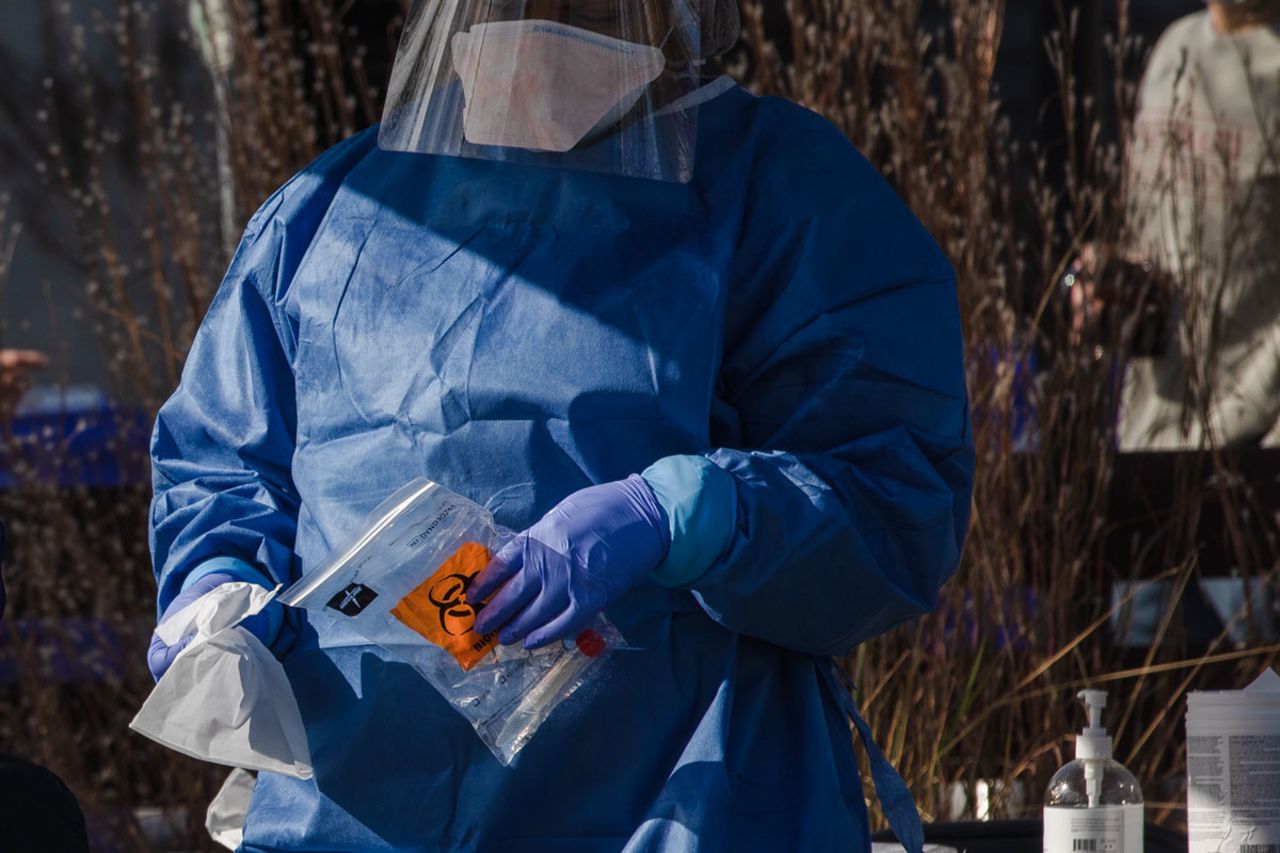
[599, 85]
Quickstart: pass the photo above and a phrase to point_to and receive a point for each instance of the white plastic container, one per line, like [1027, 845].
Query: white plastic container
[1233, 769]
[1093, 804]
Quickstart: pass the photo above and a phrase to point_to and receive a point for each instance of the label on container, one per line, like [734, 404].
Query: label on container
[1105, 829]
[439, 611]
[1233, 793]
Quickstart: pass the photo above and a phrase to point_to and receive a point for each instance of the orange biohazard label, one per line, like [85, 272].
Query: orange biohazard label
[439, 611]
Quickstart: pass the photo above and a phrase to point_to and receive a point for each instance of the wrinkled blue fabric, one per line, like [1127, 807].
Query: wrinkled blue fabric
[265, 625]
[557, 576]
[519, 333]
[701, 506]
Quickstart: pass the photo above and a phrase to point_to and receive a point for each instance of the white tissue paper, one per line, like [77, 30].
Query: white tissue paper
[227, 813]
[226, 699]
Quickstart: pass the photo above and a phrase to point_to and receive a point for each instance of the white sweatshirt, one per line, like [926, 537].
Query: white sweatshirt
[1204, 203]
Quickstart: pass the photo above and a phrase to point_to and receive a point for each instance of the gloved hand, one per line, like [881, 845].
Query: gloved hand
[264, 625]
[593, 547]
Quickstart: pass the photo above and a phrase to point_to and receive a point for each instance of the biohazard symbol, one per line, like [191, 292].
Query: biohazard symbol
[439, 612]
[449, 595]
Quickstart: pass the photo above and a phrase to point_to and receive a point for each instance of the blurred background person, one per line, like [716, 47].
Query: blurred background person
[37, 809]
[1203, 205]
[16, 368]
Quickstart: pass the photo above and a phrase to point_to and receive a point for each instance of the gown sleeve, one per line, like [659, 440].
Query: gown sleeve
[837, 501]
[223, 444]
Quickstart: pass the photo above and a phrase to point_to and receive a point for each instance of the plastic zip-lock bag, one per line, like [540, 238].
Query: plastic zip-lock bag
[403, 583]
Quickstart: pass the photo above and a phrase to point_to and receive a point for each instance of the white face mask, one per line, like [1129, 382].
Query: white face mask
[547, 86]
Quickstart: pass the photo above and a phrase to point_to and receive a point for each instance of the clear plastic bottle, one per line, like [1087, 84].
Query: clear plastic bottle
[1093, 804]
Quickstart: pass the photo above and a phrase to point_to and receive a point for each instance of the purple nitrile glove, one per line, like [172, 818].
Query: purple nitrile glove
[593, 547]
[264, 625]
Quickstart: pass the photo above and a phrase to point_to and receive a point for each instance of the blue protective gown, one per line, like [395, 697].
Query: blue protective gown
[518, 333]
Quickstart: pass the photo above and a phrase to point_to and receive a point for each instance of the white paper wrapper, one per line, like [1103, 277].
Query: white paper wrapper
[229, 809]
[226, 699]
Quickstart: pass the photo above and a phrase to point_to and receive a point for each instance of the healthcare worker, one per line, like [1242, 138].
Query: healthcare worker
[685, 338]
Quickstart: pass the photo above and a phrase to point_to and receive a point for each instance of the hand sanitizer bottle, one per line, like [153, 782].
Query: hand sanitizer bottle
[1093, 804]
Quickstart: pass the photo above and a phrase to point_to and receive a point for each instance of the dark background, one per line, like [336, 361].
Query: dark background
[41, 303]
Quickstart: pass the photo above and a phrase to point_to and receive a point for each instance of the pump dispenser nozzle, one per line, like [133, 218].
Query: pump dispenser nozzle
[1093, 745]
[1093, 742]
